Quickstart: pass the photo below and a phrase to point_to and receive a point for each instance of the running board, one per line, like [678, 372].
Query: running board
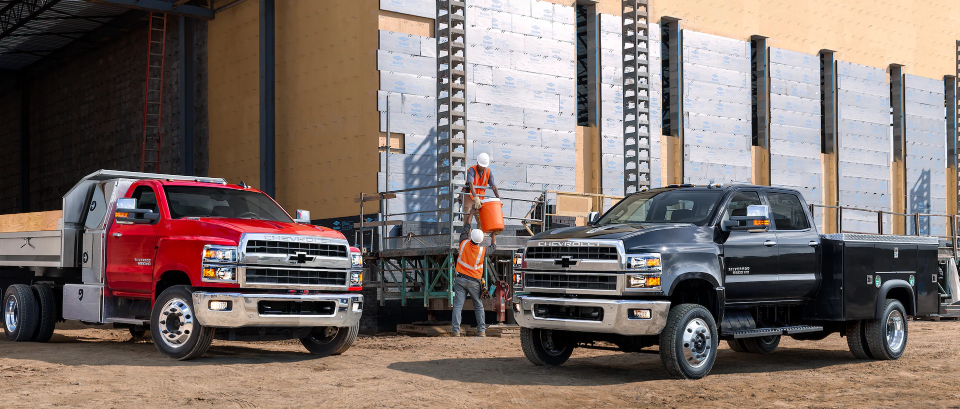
[766, 332]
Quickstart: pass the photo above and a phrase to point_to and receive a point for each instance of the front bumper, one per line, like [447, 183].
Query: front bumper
[245, 313]
[615, 319]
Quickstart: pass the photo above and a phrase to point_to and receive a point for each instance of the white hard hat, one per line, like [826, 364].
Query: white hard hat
[476, 236]
[483, 159]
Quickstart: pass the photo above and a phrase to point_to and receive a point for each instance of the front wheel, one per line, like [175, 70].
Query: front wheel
[887, 336]
[688, 343]
[326, 341]
[174, 327]
[545, 347]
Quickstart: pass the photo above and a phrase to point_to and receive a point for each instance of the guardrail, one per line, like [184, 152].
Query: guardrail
[951, 233]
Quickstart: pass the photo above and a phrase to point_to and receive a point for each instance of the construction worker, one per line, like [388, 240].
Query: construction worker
[479, 177]
[469, 278]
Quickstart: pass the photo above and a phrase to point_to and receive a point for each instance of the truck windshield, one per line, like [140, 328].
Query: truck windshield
[200, 201]
[665, 206]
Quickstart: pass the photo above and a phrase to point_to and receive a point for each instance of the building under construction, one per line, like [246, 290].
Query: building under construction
[333, 105]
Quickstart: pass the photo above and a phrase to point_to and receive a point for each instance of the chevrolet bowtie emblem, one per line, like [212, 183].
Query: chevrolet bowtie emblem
[299, 258]
[566, 262]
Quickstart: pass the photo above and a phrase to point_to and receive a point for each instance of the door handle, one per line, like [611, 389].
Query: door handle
[117, 234]
[813, 243]
[769, 243]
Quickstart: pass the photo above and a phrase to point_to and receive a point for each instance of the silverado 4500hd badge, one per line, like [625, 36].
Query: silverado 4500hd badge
[738, 270]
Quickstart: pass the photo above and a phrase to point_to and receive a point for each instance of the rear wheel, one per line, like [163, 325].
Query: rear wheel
[175, 330]
[887, 336]
[20, 313]
[762, 345]
[736, 345]
[688, 343]
[857, 340]
[48, 312]
[545, 347]
[326, 341]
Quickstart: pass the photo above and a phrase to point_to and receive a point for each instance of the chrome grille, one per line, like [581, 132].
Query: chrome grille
[571, 281]
[296, 277]
[574, 253]
[285, 247]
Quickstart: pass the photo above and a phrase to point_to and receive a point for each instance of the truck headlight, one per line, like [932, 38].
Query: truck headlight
[644, 262]
[219, 254]
[356, 260]
[643, 281]
[219, 273]
[356, 278]
[518, 259]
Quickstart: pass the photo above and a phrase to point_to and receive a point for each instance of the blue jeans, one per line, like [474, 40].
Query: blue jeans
[460, 288]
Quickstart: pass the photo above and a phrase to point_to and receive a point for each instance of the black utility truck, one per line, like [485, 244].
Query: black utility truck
[685, 266]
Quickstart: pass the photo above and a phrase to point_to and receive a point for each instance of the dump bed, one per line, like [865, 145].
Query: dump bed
[861, 269]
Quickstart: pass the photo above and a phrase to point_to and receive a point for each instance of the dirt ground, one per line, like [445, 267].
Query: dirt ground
[85, 366]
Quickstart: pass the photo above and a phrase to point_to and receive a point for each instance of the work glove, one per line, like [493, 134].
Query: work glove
[476, 202]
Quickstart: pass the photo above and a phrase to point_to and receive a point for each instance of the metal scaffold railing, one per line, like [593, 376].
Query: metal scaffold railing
[636, 97]
[451, 104]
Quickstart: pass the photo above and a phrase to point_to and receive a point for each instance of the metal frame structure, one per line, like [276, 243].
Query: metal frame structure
[268, 153]
[636, 95]
[451, 106]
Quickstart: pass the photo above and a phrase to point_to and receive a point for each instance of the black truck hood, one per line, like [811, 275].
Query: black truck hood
[607, 232]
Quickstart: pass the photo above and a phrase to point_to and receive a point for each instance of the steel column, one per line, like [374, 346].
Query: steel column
[636, 95]
[897, 107]
[268, 155]
[451, 108]
[186, 96]
[828, 101]
[760, 86]
[672, 72]
[24, 144]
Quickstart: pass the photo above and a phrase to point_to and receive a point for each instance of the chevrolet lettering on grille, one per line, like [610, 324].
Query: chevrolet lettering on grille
[297, 239]
[568, 244]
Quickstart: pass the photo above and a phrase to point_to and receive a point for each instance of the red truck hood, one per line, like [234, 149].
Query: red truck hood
[241, 226]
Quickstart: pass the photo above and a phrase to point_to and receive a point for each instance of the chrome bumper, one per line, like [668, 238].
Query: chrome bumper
[244, 311]
[615, 319]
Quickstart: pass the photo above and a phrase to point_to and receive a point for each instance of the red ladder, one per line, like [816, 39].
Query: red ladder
[153, 92]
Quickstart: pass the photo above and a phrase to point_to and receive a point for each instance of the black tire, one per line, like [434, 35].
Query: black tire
[48, 312]
[326, 341]
[184, 338]
[21, 314]
[736, 345]
[688, 343]
[857, 340]
[762, 345]
[545, 347]
[887, 336]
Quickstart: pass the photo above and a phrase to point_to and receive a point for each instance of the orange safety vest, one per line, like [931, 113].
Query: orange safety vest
[479, 180]
[470, 261]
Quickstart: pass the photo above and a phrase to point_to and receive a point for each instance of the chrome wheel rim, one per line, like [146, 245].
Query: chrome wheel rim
[550, 347]
[896, 331]
[176, 323]
[697, 343]
[11, 311]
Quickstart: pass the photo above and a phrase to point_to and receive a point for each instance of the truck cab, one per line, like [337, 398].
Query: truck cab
[193, 259]
[685, 266]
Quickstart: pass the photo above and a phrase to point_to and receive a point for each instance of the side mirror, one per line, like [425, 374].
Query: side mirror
[593, 217]
[757, 220]
[303, 216]
[127, 212]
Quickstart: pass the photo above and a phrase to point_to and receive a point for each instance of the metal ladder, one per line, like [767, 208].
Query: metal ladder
[451, 107]
[153, 92]
[636, 97]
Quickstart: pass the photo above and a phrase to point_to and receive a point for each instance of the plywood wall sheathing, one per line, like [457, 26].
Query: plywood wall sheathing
[36, 221]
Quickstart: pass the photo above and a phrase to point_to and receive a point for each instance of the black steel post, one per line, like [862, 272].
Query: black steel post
[828, 101]
[897, 109]
[760, 86]
[24, 144]
[186, 96]
[267, 98]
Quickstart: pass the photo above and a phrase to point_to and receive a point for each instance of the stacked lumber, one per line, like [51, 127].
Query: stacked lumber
[36, 221]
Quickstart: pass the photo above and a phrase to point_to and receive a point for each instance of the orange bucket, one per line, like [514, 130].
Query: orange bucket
[491, 215]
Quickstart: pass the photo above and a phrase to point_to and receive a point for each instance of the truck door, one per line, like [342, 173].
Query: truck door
[799, 244]
[131, 249]
[749, 259]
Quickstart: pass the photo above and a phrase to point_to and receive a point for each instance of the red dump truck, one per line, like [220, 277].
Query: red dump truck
[188, 258]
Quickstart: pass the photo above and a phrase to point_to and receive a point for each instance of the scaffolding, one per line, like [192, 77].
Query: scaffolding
[636, 97]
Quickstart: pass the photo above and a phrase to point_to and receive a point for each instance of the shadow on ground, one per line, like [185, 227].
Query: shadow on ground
[613, 369]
